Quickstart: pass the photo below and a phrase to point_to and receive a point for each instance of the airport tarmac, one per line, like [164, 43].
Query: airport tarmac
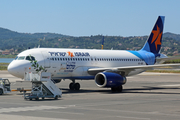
[148, 96]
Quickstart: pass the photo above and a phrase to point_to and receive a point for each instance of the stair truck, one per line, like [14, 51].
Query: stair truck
[42, 86]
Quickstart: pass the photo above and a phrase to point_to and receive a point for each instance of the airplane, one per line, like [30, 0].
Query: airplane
[109, 68]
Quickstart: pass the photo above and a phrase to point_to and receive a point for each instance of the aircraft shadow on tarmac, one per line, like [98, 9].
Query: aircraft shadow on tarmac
[152, 90]
[142, 90]
[68, 91]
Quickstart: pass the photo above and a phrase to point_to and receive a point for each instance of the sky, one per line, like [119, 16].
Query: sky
[89, 17]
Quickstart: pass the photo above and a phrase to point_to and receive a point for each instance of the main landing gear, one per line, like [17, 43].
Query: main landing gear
[117, 89]
[74, 86]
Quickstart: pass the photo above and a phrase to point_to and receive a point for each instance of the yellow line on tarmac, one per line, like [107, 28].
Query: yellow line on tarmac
[21, 90]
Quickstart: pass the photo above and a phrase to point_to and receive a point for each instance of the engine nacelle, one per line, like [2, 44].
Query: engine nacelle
[108, 79]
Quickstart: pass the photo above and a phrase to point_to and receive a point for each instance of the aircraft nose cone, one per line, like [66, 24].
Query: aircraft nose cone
[12, 69]
[18, 68]
[15, 69]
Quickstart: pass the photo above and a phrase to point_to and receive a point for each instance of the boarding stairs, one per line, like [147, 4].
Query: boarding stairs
[42, 86]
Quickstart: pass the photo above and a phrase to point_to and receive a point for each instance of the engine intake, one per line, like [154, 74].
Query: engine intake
[108, 79]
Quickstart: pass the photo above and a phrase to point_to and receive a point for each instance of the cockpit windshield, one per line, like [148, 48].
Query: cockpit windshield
[16, 58]
[23, 57]
[20, 58]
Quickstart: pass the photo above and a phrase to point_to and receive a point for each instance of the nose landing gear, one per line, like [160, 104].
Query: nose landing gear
[74, 86]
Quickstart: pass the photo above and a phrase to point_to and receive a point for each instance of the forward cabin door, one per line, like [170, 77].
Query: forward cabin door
[46, 59]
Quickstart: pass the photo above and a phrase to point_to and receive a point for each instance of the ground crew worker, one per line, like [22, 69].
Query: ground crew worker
[2, 82]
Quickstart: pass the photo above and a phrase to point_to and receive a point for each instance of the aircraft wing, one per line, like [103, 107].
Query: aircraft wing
[128, 69]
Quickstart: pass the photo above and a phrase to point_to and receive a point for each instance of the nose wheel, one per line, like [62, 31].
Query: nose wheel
[74, 86]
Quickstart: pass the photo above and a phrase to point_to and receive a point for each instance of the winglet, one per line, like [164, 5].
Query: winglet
[153, 43]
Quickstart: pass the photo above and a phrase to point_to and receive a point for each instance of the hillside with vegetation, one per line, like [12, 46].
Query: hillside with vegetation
[14, 42]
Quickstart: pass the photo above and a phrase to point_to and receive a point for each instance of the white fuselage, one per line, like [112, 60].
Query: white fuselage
[73, 63]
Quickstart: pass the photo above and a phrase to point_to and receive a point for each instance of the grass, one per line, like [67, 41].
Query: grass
[8, 56]
[172, 61]
[164, 71]
[3, 66]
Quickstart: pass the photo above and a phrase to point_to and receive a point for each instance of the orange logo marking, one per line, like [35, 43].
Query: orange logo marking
[70, 54]
[156, 36]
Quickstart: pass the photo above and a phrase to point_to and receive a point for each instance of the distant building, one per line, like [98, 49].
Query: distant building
[6, 52]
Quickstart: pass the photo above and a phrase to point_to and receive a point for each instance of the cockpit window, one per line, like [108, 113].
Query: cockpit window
[16, 58]
[21, 57]
[30, 58]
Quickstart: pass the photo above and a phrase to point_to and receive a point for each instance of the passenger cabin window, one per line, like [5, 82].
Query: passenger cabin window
[30, 58]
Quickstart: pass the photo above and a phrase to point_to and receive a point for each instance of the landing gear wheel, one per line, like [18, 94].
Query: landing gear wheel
[76, 86]
[36, 98]
[1, 91]
[120, 88]
[56, 97]
[117, 89]
[71, 86]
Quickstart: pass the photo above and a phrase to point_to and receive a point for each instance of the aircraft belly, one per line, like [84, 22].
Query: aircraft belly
[80, 71]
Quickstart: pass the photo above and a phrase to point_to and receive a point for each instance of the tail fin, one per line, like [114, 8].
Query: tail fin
[102, 45]
[153, 44]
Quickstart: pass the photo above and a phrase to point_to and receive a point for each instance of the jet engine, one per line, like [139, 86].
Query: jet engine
[108, 79]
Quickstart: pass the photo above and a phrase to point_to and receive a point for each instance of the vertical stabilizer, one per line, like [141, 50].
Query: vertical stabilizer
[153, 44]
[102, 45]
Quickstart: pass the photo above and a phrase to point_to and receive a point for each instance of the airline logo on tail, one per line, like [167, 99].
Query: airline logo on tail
[153, 43]
[156, 37]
